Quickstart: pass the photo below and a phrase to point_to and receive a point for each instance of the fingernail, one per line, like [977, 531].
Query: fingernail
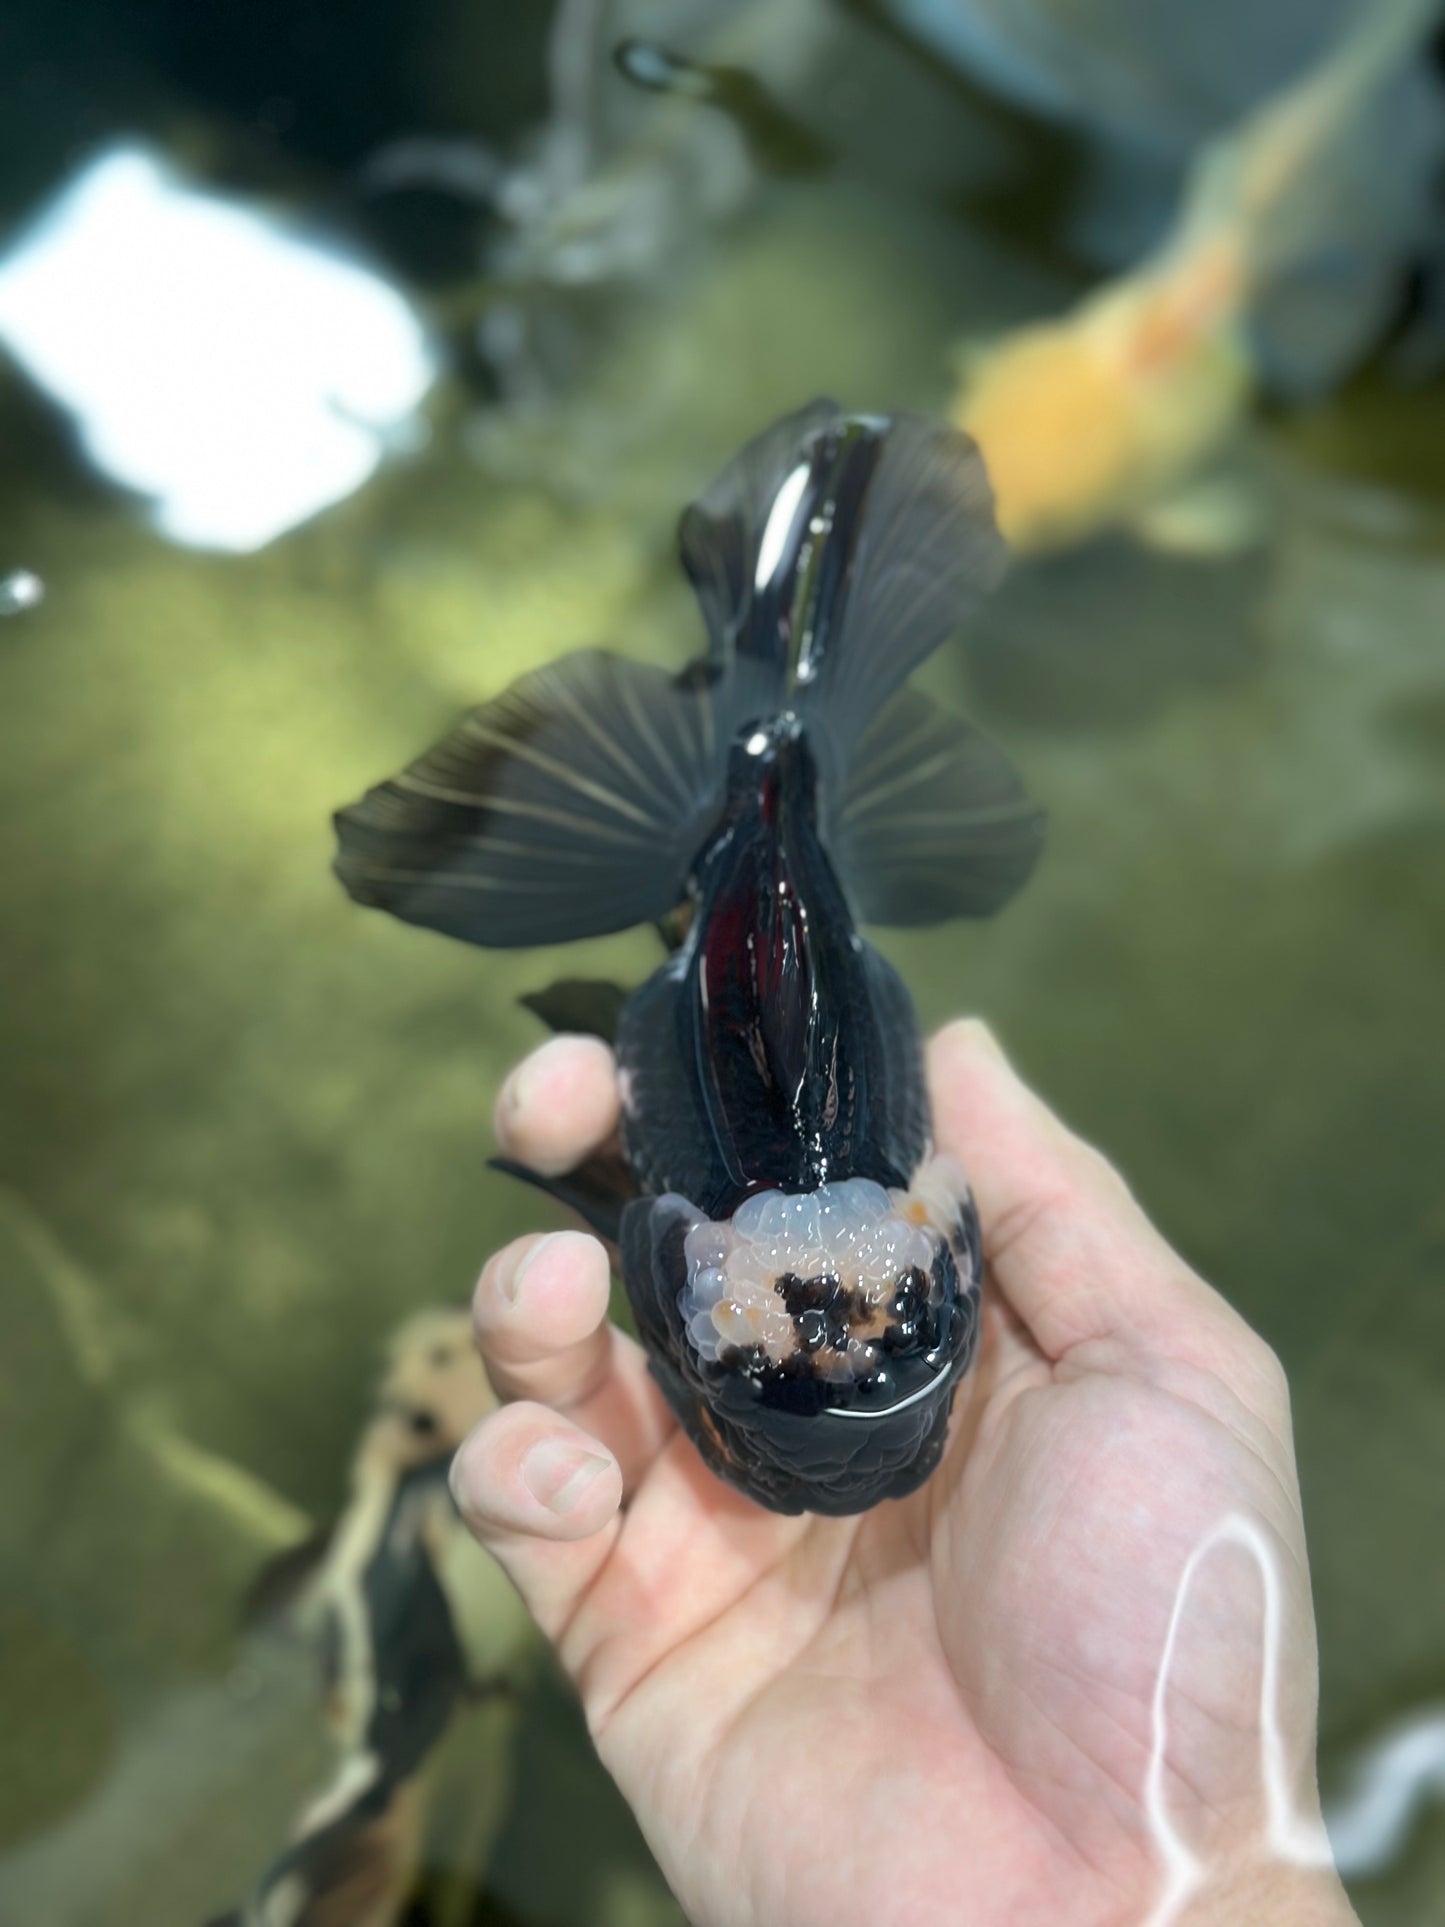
[509, 1103]
[557, 1473]
[519, 1088]
[510, 1282]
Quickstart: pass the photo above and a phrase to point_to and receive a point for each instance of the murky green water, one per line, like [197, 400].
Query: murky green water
[244, 1124]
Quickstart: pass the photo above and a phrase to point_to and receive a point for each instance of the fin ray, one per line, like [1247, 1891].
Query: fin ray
[571, 805]
[948, 832]
[925, 551]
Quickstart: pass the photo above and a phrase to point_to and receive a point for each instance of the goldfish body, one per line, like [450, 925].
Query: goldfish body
[1089, 419]
[804, 1271]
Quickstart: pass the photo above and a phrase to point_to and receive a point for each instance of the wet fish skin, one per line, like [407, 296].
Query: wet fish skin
[775, 1113]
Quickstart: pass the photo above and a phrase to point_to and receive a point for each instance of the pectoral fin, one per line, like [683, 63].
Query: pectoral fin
[597, 1190]
[934, 821]
[572, 805]
[578, 1006]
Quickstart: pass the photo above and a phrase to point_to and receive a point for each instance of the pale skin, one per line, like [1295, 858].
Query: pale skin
[944, 1710]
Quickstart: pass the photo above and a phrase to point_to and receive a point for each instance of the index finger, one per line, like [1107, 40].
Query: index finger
[558, 1105]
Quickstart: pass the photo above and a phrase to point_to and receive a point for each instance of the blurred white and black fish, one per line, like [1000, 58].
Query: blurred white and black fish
[805, 1273]
[414, 1619]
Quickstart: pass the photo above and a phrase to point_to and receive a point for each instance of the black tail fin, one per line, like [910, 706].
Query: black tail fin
[829, 558]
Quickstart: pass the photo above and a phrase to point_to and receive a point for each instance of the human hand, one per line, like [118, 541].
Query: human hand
[957, 1706]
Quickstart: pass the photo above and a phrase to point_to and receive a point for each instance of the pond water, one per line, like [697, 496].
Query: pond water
[245, 1124]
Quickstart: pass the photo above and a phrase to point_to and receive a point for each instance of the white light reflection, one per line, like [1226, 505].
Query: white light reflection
[780, 525]
[1289, 1836]
[22, 589]
[1370, 1822]
[239, 376]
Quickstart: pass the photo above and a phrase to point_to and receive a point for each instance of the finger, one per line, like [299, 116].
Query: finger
[1067, 1245]
[540, 1317]
[558, 1105]
[543, 1496]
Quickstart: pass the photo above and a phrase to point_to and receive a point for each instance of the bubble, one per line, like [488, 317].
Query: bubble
[773, 1215]
[864, 1199]
[707, 1287]
[748, 1267]
[707, 1244]
[748, 1218]
[733, 1324]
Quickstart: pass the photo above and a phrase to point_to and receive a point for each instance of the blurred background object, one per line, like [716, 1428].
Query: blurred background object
[1391, 1784]
[413, 1619]
[1294, 242]
[237, 378]
[244, 1128]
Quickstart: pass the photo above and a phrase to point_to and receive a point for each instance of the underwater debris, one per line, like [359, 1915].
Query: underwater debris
[414, 1619]
[238, 376]
[805, 1274]
[1091, 419]
[614, 194]
[777, 139]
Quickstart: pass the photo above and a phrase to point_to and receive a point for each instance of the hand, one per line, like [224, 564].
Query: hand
[945, 1710]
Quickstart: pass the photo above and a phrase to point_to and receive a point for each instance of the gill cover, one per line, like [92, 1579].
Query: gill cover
[829, 559]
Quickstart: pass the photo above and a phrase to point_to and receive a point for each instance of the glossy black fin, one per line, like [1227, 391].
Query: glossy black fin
[933, 821]
[830, 558]
[920, 551]
[597, 1190]
[570, 806]
[720, 536]
[900, 1123]
[578, 1006]
[777, 140]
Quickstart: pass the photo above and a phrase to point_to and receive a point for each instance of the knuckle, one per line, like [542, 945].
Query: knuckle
[968, 1037]
[1269, 1371]
[1099, 1176]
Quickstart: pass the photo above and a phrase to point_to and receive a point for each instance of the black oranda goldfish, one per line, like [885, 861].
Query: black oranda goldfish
[804, 1271]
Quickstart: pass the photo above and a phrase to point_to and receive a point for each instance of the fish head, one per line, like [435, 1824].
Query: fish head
[815, 1340]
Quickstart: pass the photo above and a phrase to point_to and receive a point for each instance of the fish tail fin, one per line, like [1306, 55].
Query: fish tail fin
[831, 558]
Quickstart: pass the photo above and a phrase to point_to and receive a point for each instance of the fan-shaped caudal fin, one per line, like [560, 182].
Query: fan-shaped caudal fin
[572, 805]
[721, 534]
[908, 551]
[932, 821]
[833, 555]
